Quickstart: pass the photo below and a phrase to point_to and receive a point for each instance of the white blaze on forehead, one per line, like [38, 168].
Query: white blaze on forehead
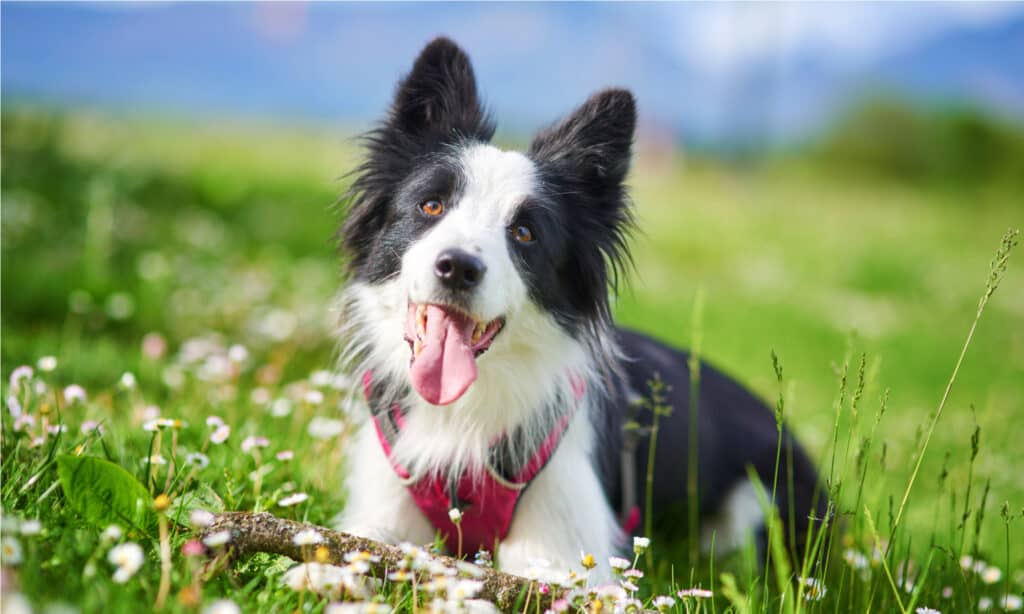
[497, 182]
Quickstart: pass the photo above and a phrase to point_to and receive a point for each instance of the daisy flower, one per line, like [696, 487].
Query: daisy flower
[307, 537]
[11, 548]
[74, 394]
[291, 500]
[128, 558]
[47, 363]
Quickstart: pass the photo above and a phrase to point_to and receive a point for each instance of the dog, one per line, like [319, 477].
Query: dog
[477, 314]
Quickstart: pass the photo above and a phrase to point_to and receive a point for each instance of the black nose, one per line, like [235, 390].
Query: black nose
[458, 269]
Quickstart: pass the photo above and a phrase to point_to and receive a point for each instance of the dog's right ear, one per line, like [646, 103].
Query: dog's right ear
[439, 97]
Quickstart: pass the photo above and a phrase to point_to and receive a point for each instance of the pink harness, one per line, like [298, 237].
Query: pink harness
[487, 502]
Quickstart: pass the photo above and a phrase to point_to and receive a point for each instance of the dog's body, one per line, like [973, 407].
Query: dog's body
[458, 248]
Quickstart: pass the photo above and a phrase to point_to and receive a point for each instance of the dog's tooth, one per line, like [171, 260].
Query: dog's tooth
[417, 347]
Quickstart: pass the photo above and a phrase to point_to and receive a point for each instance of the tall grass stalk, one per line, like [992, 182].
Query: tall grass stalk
[996, 270]
[692, 494]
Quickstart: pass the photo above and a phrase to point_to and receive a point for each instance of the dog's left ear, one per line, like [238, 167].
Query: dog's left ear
[439, 96]
[594, 142]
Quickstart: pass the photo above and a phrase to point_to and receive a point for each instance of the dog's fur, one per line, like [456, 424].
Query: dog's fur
[553, 295]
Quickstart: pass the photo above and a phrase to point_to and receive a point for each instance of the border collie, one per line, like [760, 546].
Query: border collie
[477, 314]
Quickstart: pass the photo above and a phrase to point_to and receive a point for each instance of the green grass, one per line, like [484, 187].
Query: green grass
[113, 230]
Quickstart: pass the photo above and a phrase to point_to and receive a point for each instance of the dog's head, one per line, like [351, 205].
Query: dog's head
[486, 249]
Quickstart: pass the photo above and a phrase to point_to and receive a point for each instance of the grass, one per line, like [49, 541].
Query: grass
[214, 244]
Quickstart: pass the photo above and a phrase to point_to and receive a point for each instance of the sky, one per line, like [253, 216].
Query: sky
[707, 72]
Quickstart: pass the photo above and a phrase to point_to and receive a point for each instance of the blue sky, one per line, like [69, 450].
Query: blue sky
[708, 72]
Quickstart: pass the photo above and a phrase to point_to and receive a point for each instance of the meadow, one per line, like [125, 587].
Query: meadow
[167, 306]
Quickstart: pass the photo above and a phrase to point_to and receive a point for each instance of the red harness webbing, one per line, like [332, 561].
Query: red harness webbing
[486, 502]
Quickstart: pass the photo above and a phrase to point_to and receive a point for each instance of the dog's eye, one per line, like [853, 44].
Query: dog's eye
[432, 207]
[523, 234]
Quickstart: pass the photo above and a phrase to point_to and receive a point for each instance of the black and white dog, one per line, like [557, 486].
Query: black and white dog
[477, 313]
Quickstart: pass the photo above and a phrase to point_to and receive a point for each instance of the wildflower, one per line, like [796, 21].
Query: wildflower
[127, 380]
[156, 423]
[128, 558]
[20, 374]
[629, 586]
[193, 547]
[220, 434]
[162, 502]
[587, 560]
[641, 544]
[926, 610]
[1012, 603]
[695, 593]
[291, 500]
[619, 564]
[238, 354]
[947, 592]
[991, 575]
[816, 589]
[217, 539]
[222, 606]
[31, 527]
[154, 346]
[214, 421]
[157, 459]
[198, 459]
[317, 577]
[259, 396]
[464, 589]
[984, 604]
[11, 551]
[74, 394]
[200, 518]
[455, 515]
[313, 397]
[47, 363]
[325, 428]
[112, 533]
[855, 559]
[663, 603]
[14, 407]
[280, 408]
[560, 605]
[285, 455]
[254, 441]
[629, 605]
[307, 537]
[366, 607]
[53, 429]
[89, 426]
[633, 573]
[320, 378]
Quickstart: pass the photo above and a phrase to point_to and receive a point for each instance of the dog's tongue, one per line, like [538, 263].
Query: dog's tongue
[446, 365]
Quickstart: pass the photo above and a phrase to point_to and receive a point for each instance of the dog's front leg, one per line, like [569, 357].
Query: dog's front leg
[562, 515]
[379, 506]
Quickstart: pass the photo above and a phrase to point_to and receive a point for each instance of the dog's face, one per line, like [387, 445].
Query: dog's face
[480, 244]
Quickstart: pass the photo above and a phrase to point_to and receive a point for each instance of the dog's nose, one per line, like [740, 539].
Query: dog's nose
[458, 269]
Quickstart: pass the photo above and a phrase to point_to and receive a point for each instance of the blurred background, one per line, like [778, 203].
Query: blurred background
[832, 180]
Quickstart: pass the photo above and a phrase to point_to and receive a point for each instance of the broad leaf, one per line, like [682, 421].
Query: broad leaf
[104, 493]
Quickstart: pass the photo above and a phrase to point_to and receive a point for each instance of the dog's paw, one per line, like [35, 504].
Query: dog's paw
[375, 533]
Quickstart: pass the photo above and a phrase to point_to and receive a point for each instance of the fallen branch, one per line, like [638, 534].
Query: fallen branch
[263, 532]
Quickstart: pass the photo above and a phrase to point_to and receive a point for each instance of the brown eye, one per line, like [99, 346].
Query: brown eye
[523, 234]
[433, 208]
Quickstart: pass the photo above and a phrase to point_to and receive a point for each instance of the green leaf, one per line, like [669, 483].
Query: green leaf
[203, 497]
[104, 493]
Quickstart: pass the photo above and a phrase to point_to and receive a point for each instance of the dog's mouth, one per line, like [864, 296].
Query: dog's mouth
[445, 343]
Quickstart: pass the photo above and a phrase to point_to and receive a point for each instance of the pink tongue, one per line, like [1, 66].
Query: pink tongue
[446, 366]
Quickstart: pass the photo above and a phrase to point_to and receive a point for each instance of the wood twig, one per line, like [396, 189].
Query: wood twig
[253, 532]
